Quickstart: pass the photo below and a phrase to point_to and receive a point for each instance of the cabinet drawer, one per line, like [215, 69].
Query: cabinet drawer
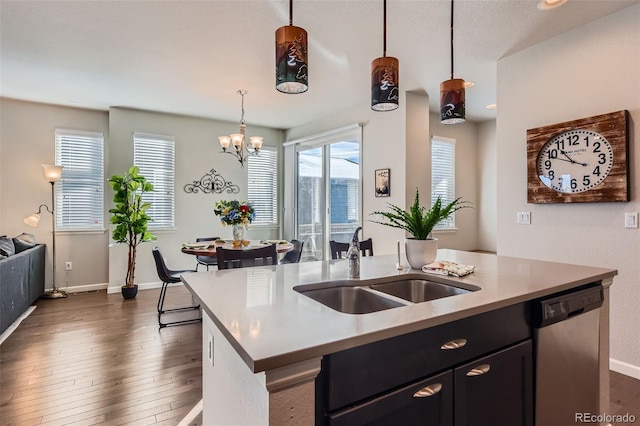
[356, 374]
[429, 400]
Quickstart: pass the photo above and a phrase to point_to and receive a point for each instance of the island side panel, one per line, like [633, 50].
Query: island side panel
[231, 393]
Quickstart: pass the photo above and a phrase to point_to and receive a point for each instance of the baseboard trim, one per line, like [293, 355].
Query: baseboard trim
[624, 368]
[16, 323]
[191, 415]
[143, 286]
[85, 288]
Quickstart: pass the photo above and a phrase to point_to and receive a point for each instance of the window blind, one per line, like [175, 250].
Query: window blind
[155, 157]
[262, 170]
[443, 175]
[80, 191]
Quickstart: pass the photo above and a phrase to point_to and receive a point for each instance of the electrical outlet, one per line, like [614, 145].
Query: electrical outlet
[523, 218]
[630, 219]
[68, 266]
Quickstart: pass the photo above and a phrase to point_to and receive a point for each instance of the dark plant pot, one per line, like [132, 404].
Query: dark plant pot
[130, 292]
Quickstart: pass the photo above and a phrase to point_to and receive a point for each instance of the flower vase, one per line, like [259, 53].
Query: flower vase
[238, 234]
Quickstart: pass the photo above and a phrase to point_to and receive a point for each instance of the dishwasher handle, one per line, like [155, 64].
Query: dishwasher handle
[562, 306]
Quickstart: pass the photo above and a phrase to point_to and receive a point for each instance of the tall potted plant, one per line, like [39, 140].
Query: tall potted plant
[130, 219]
[419, 221]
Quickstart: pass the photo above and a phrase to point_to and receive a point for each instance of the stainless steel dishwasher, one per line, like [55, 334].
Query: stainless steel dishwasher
[566, 339]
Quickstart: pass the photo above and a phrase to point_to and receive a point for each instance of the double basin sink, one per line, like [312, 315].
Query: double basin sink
[362, 297]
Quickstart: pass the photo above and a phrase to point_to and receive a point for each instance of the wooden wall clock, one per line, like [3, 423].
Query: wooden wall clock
[579, 161]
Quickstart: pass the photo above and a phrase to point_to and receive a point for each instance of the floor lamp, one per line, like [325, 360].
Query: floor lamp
[53, 174]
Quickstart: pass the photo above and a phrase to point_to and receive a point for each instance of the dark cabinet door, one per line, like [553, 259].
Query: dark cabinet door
[496, 389]
[426, 402]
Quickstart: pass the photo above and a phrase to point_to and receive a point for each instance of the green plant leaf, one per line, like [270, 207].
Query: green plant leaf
[419, 221]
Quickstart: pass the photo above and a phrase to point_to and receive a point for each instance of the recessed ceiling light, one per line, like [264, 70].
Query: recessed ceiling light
[550, 4]
[492, 106]
[469, 84]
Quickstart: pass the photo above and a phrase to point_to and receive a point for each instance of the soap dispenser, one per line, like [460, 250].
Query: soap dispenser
[353, 255]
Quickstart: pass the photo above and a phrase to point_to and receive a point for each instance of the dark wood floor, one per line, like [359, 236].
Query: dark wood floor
[95, 358]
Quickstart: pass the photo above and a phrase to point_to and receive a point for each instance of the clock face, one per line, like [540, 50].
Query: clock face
[574, 161]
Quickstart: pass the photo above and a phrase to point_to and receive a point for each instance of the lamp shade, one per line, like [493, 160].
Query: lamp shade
[32, 220]
[291, 60]
[52, 172]
[224, 142]
[452, 102]
[384, 83]
[256, 142]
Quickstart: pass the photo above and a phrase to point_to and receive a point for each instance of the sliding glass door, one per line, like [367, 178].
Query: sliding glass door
[328, 195]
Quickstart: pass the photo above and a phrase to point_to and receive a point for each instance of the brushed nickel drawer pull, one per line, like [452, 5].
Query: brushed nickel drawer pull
[428, 390]
[454, 344]
[479, 370]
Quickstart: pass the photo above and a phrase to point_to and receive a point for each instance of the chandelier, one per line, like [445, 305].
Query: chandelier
[240, 148]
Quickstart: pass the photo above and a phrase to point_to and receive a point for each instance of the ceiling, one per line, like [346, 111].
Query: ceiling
[190, 57]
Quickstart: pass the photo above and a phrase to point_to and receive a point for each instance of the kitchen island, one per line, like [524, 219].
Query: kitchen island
[264, 342]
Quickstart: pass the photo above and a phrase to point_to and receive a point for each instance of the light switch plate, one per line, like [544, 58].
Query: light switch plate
[631, 220]
[523, 218]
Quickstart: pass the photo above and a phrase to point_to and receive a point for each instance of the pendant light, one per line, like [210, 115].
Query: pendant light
[384, 75]
[291, 57]
[452, 102]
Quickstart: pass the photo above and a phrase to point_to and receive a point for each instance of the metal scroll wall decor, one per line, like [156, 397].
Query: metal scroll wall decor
[211, 183]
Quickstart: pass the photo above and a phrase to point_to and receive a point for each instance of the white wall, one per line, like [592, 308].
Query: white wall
[589, 71]
[197, 152]
[487, 186]
[383, 147]
[27, 140]
[399, 140]
[467, 172]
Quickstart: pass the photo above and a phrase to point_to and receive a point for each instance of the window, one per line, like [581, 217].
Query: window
[80, 191]
[328, 189]
[155, 156]
[443, 175]
[263, 186]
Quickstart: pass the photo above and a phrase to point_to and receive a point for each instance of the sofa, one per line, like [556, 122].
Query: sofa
[21, 278]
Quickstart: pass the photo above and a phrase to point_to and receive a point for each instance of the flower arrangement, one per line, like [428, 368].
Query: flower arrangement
[235, 212]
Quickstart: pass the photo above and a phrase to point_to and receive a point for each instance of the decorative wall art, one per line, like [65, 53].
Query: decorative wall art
[211, 183]
[383, 183]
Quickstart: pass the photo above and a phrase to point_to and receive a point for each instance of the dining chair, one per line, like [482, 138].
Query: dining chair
[294, 255]
[206, 260]
[168, 276]
[242, 258]
[338, 249]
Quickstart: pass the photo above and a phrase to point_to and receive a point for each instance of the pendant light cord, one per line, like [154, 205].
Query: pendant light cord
[384, 28]
[290, 12]
[452, 39]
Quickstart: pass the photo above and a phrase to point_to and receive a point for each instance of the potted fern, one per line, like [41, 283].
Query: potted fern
[419, 221]
[130, 219]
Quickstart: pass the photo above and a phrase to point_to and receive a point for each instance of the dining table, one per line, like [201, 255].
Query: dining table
[200, 249]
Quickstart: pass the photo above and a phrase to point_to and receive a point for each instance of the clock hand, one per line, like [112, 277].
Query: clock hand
[571, 160]
[562, 159]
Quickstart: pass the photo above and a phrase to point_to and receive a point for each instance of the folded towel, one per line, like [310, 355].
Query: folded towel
[447, 267]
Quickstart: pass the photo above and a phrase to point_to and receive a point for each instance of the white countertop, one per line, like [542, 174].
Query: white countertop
[271, 325]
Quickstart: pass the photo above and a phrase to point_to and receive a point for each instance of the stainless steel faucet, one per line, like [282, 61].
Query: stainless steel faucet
[353, 254]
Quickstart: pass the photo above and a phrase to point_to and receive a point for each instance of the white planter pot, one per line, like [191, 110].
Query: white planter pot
[420, 252]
